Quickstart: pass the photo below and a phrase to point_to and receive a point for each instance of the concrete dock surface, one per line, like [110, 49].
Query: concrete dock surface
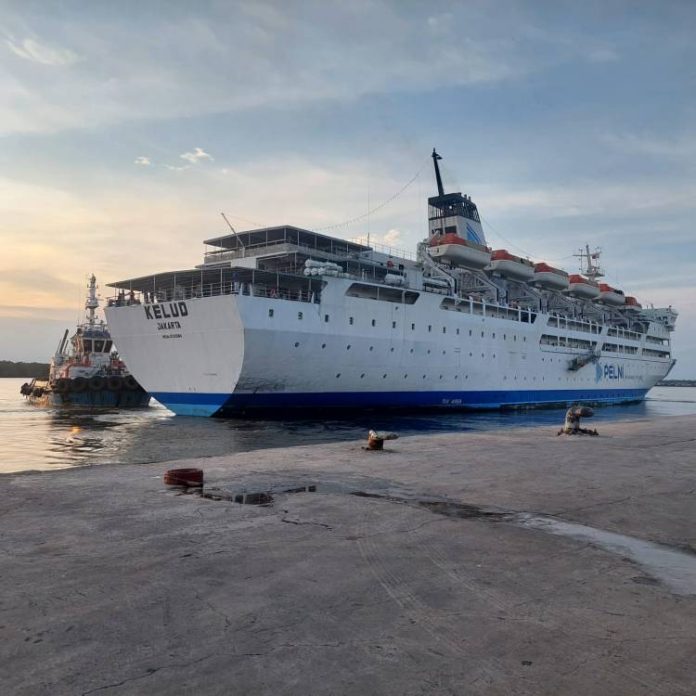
[505, 562]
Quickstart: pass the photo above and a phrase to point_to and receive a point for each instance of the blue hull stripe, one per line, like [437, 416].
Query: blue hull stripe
[194, 404]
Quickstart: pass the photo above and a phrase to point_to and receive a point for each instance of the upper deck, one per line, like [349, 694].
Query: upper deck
[276, 241]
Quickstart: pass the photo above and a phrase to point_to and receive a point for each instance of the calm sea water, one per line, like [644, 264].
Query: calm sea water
[34, 438]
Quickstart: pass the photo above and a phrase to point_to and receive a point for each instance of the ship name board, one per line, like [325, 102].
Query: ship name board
[159, 311]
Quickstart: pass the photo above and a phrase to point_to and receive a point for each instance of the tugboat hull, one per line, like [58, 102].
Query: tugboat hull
[102, 399]
[41, 393]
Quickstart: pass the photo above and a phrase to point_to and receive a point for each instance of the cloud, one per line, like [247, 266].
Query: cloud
[196, 156]
[602, 54]
[142, 161]
[37, 52]
[588, 199]
[391, 238]
[677, 147]
[291, 55]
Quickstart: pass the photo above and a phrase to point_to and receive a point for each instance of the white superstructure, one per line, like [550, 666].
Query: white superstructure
[282, 318]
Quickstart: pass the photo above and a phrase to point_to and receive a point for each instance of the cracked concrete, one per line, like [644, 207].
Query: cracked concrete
[113, 584]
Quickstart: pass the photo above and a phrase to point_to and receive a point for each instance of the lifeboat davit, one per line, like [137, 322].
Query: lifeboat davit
[549, 277]
[632, 304]
[579, 286]
[511, 266]
[611, 296]
[459, 251]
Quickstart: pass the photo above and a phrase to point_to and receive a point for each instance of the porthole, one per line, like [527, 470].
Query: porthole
[384, 376]
[299, 316]
[428, 351]
[457, 332]
[423, 376]
[393, 325]
[323, 345]
[270, 312]
[482, 334]
[469, 332]
[444, 329]
[372, 347]
[493, 335]
[374, 323]
[391, 350]
[413, 327]
[362, 376]
[430, 328]
[297, 344]
[348, 347]
[405, 376]
[411, 351]
[338, 375]
[350, 320]
[326, 317]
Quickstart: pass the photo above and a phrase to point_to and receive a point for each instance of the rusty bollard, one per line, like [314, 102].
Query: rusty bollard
[571, 426]
[375, 439]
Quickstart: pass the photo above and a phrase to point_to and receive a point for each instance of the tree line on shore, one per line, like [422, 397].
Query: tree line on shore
[23, 369]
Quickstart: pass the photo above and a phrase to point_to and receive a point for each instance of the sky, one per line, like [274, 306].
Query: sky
[127, 128]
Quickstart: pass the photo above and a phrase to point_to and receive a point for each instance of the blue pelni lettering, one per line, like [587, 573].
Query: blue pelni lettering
[613, 372]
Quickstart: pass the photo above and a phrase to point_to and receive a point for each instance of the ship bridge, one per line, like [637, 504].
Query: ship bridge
[453, 213]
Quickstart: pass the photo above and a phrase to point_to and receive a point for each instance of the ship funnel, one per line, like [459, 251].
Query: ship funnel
[452, 213]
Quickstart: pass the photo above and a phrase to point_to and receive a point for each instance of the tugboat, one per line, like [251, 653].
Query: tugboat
[87, 371]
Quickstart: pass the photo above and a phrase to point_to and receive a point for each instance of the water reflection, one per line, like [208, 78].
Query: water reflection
[34, 438]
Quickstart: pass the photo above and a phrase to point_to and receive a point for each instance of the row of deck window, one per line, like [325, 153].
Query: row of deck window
[394, 325]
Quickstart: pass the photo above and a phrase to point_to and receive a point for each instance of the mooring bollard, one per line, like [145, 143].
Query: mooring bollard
[375, 439]
[571, 426]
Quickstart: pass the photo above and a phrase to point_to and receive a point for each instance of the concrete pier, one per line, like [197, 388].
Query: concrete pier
[445, 564]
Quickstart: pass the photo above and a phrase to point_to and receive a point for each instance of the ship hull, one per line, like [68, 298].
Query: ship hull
[230, 405]
[235, 354]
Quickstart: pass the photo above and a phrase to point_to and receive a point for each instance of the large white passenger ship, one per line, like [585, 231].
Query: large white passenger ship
[286, 318]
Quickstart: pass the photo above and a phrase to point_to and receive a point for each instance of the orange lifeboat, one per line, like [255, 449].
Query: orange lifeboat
[511, 266]
[549, 277]
[584, 288]
[459, 251]
[632, 304]
[611, 296]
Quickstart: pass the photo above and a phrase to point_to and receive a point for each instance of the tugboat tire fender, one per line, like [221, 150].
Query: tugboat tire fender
[130, 383]
[79, 384]
[60, 386]
[96, 383]
[114, 383]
